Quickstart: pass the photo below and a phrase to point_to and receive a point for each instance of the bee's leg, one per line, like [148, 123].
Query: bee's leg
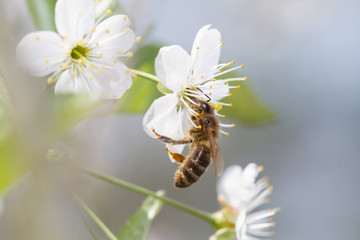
[171, 141]
[177, 157]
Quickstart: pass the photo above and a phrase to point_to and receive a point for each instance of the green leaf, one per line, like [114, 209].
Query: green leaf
[224, 234]
[97, 220]
[247, 108]
[142, 92]
[43, 13]
[65, 111]
[138, 224]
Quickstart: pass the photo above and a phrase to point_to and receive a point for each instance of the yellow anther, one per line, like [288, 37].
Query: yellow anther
[74, 74]
[67, 52]
[227, 134]
[221, 70]
[81, 69]
[210, 87]
[214, 79]
[64, 65]
[80, 13]
[222, 43]
[233, 62]
[91, 77]
[260, 168]
[138, 39]
[185, 138]
[126, 31]
[201, 98]
[97, 44]
[230, 105]
[202, 76]
[199, 126]
[197, 48]
[233, 125]
[245, 78]
[107, 31]
[103, 67]
[230, 94]
[98, 0]
[108, 12]
[229, 64]
[46, 60]
[37, 37]
[197, 114]
[66, 36]
[133, 75]
[50, 81]
[242, 65]
[238, 86]
[129, 54]
[101, 54]
[93, 30]
[114, 96]
[98, 71]
[80, 61]
[271, 188]
[225, 83]
[118, 52]
[124, 18]
[80, 40]
[218, 106]
[223, 116]
[127, 71]
[210, 94]
[116, 61]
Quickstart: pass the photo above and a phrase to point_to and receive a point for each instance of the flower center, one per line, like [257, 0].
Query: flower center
[79, 52]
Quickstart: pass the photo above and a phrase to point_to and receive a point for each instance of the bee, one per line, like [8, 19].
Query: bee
[204, 147]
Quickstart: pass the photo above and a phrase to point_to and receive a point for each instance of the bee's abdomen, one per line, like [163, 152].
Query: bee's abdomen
[193, 166]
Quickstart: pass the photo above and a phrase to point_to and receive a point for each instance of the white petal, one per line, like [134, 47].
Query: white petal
[208, 54]
[111, 82]
[172, 66]
[41, 53]
[230, 184]
[74, 18]
[217, 89]
[113, 37]
[65, 84]
[164, 117]
[240, 226]
[250, 173]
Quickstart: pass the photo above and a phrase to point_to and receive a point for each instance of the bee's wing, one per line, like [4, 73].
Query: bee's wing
[215, 153]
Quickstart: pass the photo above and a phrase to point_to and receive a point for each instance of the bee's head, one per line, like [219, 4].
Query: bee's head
[205, 107]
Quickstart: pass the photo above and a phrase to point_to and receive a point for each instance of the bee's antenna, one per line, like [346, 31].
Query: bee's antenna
[209, 99]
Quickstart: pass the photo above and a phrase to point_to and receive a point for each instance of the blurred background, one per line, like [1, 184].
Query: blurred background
[301, 59]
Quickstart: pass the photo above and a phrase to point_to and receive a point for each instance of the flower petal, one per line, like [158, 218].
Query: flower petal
[111, 82]
[206, 51]
[113, 37]
[65, 84]
[229, 183]
[240, 226]
[74, 18]
[41, 53]
[165, 118]
[172, 66]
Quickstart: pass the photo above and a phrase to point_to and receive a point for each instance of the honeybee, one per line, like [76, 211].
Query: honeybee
[204, 147]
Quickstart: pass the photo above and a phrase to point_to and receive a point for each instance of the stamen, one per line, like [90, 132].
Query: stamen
[108, 12]
[227, 125]
[225, 133]
[138, 39]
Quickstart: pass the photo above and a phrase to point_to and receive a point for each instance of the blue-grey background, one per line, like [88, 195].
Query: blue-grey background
[302, 59]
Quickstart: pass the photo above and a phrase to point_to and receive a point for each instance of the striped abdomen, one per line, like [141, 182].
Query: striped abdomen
[194, 166]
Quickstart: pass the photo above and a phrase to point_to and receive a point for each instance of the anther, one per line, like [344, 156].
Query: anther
[260, 168]
[74, 74]
[134, 75]
[200, 127]
[210, 87]
[80, 40]
[229, 64]
[46, 60]
[115, 60]
[242, 65]
[66, 36]
[198, 114]
[210, 94]
[50, 81]
[138, 39]
[202, 76]
[233, 62]
[93, 30]
[107, 31]
[230, 94]
[214, 79]
[245, 78]
[129, 54]
[98, 71]
[103, 67]
[37, 37]
[126, 31]
[218, 106]
[92, 78]
[81, 69]
[124, 18]
[222, 43]
[64, 65]
[221, 70]
[118, 52]
[97, 44]
[238, 86]
[230, 105]
[80, 13]
[114, 96]
[197, 48]
[127, 71]
[233, 125]
[223, 116]
[227, 134]
[108, 12]
[80, 61]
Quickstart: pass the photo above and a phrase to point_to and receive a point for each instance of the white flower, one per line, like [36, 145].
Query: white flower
[83, 55]
[194, 75]
[241, 194]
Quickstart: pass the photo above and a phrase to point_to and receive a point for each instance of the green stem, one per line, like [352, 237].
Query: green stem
[93, 216]
[193, 211]
[151, 77]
